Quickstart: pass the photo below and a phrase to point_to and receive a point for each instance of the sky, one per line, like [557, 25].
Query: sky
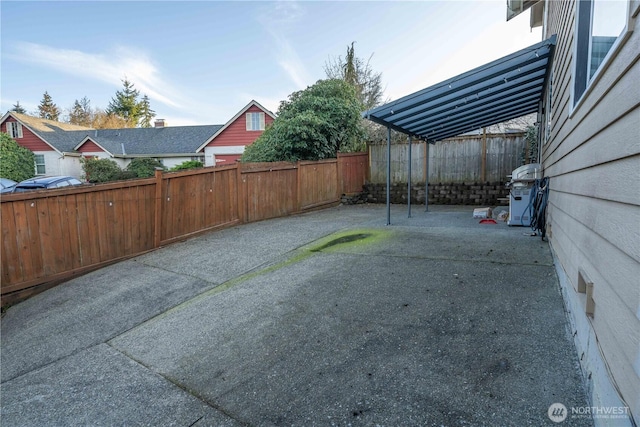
[201, 62]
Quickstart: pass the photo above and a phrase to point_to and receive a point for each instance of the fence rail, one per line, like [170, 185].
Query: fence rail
[54, 235]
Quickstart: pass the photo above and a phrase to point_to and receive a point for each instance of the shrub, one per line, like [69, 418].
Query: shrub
[16, 162]
[101, 170]
[189, 164]
[312, 124]
[144, 167]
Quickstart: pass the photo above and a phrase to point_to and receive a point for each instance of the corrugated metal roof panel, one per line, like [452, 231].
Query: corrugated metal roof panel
[501, 90]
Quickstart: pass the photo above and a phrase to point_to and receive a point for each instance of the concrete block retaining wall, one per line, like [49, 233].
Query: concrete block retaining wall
[485, 194]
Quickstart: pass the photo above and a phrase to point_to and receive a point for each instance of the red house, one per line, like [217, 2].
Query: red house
[54, 153]
[229, 142]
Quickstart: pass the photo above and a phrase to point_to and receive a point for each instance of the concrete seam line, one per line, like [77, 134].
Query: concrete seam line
[181, 387]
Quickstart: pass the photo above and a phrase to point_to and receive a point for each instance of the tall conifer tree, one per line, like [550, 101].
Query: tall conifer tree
[48, 109]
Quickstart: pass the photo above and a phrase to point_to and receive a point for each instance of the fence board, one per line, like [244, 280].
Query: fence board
[209, 200]
[14, 250]
[21, 268]
[88, 246]
[8, 244]
[455, 160]
[319, 183]
[147, 205]
[129, 219]
[70, 232]
[50, 218]
[35, 252]
[353, 171]
[270, 193]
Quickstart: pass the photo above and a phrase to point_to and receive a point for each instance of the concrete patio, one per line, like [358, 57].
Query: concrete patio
[320, 319]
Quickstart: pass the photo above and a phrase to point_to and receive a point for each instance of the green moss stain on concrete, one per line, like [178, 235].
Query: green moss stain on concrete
[342, 240]
[351, 241]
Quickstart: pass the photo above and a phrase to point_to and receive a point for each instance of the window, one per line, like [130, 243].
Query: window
[14, 129]
[40, 167]
[600, 23]
[255, 121]
[548, 109]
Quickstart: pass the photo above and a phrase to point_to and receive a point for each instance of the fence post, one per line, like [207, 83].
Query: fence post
[339, 172]
[157, 223]
[298, 203]
[241, 195]
[483, 171]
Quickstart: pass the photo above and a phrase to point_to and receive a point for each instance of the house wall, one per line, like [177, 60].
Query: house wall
[122, 163]
[170, 162]
[52, 162]
[55, 163]
[90, 146]
[592, 157]
[214, 156]
[29, 139]
[70, 165]
[237, 134]
[230, 143]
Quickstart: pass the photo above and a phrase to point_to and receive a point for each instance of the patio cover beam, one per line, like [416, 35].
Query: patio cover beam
[501, 90]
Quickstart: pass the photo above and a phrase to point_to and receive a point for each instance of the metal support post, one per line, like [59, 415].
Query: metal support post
[409, 181]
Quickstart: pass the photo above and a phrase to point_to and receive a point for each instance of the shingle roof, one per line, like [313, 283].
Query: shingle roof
[44, 125]
[151, 141]
[136, 141]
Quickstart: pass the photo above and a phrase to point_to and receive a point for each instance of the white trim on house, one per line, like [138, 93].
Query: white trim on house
[211, 152]
[14, 129]
[574, 104]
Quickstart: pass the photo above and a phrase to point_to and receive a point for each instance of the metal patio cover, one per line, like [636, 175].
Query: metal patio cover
[501, 90]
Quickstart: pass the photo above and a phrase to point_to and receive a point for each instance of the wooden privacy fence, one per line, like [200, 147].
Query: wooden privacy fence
[473, 158]
[52, 235]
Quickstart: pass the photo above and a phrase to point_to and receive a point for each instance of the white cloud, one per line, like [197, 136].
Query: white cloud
[277, 19]
[110, 67]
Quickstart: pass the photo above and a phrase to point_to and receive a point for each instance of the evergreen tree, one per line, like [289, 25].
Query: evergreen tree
[146, 113]
[125, 104]
[359, 74]
[368, 85]
[17, 108]
[81, 113]
[47, 109]
[312, 124]
[102, 120]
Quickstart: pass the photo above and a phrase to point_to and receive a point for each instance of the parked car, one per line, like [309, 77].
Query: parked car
[44, 182]
[6, 185]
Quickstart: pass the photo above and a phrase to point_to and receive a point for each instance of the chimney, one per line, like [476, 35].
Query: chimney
[160, 123]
